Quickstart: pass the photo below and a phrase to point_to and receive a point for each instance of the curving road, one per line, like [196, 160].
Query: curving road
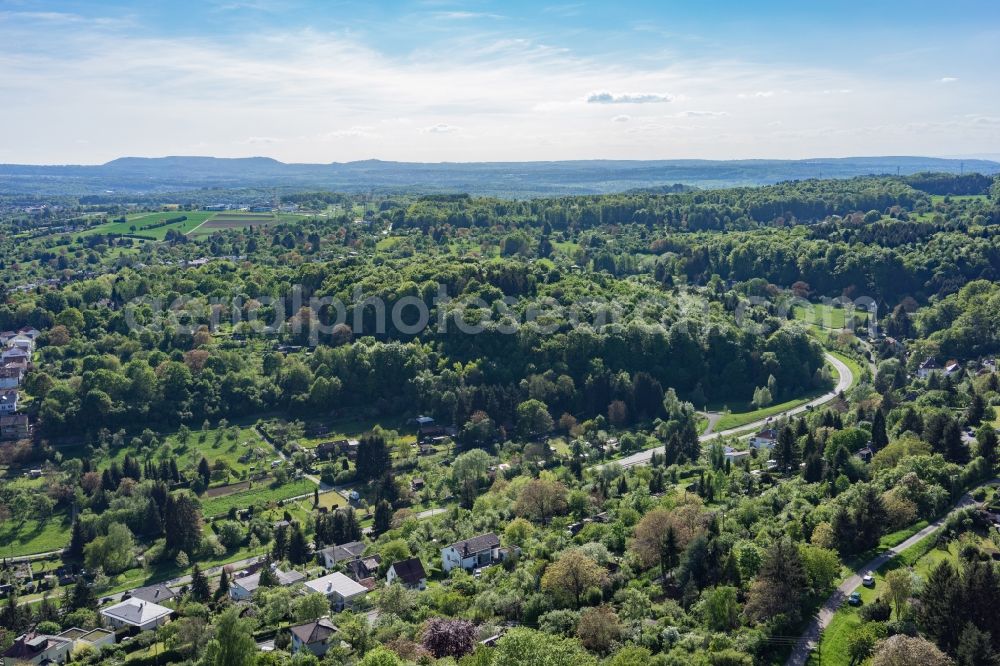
[810, 639]
[843, 383]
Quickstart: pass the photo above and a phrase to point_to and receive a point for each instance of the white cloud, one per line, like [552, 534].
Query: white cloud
[355, 132]
[605, 97]
[439, 128]
[700, 114]
[260, 140]
[948, 79]
[621, 119]
[760, 94]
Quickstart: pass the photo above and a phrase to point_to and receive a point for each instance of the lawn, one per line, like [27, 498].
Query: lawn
[34, 536]
[824, 316]
[140, 220]
[261, 494]
[356, 427]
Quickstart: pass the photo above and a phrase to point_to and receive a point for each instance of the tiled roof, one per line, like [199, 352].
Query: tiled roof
[410, 571]
[477, 544]
[314, 632]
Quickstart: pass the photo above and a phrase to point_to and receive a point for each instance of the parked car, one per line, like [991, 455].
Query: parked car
[868, 581]
[854, 599]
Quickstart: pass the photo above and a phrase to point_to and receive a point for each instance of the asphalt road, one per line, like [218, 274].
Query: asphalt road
[810, 639]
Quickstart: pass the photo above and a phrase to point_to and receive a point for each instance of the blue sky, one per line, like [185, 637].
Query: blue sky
[433, 80]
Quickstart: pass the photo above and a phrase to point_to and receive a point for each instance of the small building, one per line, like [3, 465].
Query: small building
[8, 401]
[479, 551]
[14, 354]
[951, 367]
[14, 426]
[135, 613]
[32, 648]
[417, 484]
[364, 567]
[22, 342]
[339, 589]
[11, 376]
[313, 636]
[408, 573]
[30, 333]
[732, 455]
[929, 365]
[765, 439]
[94, 638]
[242, 588]
[334, 555]
[158, 594]
[865, 454]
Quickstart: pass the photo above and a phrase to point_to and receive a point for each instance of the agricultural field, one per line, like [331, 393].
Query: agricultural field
[151, 225]
[261, 493]
[229, 220]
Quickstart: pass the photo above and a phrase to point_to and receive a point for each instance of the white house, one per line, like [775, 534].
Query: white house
[313, 636]
[143, 615]
[339, 589]
[35, 648]
[243, 587]
[408, 573]
[29, 332]
[479, 551]
[765, 439]
[927, 367]
[21, 342]
[8, 401]
[95, 638]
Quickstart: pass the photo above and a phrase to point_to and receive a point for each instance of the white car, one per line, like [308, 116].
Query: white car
[867, 580]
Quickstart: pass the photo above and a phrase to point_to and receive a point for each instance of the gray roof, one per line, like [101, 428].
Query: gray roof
[477, 544]
[252, 582]
[136, 612]
[410, 571]
[157, 593]
[314, 632]
[339, 583]
[345, 551]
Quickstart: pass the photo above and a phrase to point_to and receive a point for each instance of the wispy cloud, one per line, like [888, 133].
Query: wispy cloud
[621, 118]
[439, 128]
[948, 79]
[605, 97]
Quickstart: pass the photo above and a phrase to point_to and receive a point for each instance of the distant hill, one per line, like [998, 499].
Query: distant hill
[509, 179]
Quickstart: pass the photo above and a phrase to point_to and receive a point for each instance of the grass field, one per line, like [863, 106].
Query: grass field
[259, 494]
[825, 316]
[140, 220]
[34, 536]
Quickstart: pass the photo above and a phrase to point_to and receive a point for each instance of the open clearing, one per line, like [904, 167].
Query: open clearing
[152, 226]
[241, 220]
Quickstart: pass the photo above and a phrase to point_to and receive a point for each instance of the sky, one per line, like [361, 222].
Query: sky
[84, 82]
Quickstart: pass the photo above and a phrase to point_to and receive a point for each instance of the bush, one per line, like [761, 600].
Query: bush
[877, 611]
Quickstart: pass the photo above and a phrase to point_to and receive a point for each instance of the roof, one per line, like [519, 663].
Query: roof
[767, 433]
[28, 646]
[314, 632]
[336, 582]
[136, 612]
[424, 420]
[156, 593]
[930, 364]
[252, 581]
[410, 571]
[345, 551]
[477, 544]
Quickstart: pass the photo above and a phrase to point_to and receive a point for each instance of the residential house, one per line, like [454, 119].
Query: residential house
[21, 342]
[951, 367]
[733, 456]
[158, 594]
[479, 551]
[408, 573]
[135, 613]
[14, 355]
[11, 376]
[93, 638]
[334, 555]
[313, 636]
[865, 454]
[417, 484]
[927, 367]
[326, 450]
[339, 589]
[5, 336]
[14, 426]
[30, 333]
[32, 648]
[765, 439]
[243, 587]
[364, 567]
[8, 401]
